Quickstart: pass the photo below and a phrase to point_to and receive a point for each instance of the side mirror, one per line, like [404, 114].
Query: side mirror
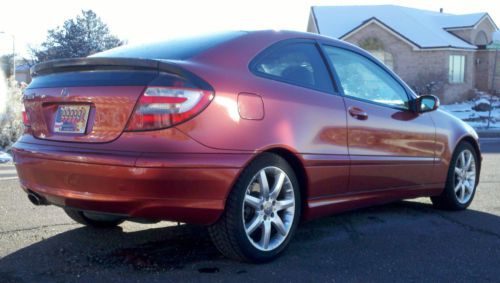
[426, 103]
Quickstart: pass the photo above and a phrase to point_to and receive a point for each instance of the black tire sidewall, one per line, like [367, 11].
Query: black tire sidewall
[265, 160]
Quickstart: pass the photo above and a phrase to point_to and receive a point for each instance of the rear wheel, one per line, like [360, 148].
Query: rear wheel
[262, 211]
[95, 220]
[461, 181]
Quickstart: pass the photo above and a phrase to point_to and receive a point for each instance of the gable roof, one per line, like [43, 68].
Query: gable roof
[421, 28]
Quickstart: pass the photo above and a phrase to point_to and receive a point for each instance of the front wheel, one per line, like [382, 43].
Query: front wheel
[461, 181]
[262, 211]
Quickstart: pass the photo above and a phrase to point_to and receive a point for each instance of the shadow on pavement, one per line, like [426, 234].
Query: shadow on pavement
[401, 241]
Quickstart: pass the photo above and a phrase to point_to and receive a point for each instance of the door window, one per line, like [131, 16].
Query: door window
[361, 78]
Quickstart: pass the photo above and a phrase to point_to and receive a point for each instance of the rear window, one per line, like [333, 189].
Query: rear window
[175, 49]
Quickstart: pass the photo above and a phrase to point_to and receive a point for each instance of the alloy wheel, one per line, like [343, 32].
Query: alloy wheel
[465, 176]
[268, 208]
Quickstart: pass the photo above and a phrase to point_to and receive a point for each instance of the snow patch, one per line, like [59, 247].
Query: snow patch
[468, 111]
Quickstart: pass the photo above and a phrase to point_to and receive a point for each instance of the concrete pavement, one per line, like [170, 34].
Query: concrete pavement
[7, 172]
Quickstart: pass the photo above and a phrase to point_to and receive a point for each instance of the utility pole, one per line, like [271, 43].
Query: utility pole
[495, 45]
[13, 53]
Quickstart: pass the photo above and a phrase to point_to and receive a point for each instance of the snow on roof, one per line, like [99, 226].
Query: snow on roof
[457, 21]
[425, 29]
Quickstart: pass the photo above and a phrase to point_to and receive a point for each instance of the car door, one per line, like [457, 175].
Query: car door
[390, 146]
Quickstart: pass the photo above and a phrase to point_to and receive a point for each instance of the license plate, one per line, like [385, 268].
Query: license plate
[71, 119]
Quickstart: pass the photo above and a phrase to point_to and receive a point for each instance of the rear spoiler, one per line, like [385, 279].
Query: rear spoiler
[88, 63]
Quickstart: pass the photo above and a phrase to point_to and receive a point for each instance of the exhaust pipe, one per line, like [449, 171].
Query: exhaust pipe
[36, 199]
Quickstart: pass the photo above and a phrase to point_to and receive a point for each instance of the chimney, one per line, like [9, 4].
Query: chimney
[441, 10]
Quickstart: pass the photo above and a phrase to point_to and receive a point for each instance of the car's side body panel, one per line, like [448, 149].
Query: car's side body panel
[326, 174]
[329, 205]
[388, 148]
[449, 132]
[306, 120]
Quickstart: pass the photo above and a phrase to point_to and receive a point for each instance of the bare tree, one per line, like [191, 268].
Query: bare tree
[429, 83]
[11, 122]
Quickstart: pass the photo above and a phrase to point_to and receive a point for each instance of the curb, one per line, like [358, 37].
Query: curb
[482, 133]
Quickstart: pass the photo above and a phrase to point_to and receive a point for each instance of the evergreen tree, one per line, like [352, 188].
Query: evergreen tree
[80, 37]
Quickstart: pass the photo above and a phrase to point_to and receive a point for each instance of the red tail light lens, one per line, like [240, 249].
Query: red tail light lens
[26, 120]
[163, 107]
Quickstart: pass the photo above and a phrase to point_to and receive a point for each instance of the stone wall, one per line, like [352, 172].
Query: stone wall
[484, 71]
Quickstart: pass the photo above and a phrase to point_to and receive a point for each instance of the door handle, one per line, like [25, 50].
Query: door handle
[358, 113]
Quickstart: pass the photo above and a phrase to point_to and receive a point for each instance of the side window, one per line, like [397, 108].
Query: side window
[362, 78]
[296, 63]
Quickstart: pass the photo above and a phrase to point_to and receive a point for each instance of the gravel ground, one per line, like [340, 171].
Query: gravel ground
[404, 241]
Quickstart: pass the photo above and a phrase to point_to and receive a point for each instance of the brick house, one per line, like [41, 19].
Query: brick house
[434, 52]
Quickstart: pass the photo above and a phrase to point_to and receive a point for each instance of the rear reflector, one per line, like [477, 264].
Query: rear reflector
[163, 107]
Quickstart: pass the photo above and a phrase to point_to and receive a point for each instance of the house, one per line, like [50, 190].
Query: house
[23, 73]
[434, 52]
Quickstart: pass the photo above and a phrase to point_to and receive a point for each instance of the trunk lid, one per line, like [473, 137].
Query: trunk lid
[109, 108]
[90, 99]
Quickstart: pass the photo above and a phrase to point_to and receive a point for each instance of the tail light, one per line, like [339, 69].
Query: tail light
[163, 107]
[26, 120]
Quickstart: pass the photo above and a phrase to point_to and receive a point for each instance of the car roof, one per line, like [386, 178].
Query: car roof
[295, 34]
[281, 35]
[190, 47]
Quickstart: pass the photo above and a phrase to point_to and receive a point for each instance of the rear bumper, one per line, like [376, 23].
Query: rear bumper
[180, 187]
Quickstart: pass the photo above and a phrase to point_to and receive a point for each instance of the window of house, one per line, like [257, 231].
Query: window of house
[456, 72]
[376, 48]
[363, 79]
[297, 63]
[384, 57]
[481, 40]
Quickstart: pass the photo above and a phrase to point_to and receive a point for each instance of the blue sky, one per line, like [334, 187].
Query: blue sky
[149, 20]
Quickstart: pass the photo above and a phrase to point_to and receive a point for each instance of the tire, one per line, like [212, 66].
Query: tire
[451, 198]
[247, 204]
[93, 219]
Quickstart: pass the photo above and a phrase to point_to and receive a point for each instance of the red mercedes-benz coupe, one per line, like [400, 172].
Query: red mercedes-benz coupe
[245, 132]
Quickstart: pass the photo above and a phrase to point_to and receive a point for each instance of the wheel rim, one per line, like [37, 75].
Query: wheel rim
[268, 208]
[465, 176]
